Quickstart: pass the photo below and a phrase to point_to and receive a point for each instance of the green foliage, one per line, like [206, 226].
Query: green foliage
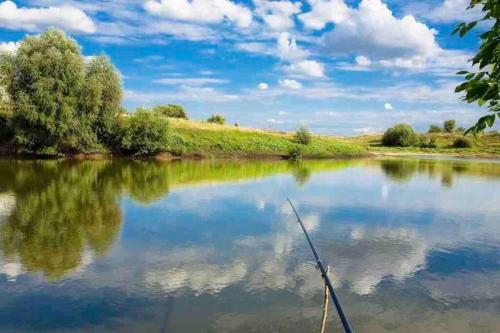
[461, 129]
[435, 129]
[295, 153]
[144, 132]
[482, 86]
[171, 111]
[462, 143]
[400, 135]
[449, 125]
[44, 80]
[424, 141]
[101, 97]
[217, 119]
[302, 136]
[58, 103]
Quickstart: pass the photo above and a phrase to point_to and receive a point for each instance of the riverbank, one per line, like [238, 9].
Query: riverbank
[483, 146]
[190, 139]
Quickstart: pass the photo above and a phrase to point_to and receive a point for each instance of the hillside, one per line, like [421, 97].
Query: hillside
[193, 138]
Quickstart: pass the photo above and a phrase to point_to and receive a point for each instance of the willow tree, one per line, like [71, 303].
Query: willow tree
[482, 85]
[101, 96]
[45, 78]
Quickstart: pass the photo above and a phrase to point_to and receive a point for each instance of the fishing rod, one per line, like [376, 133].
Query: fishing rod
[324, 273]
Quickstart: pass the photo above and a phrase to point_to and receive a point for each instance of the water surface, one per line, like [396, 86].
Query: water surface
[134, 246]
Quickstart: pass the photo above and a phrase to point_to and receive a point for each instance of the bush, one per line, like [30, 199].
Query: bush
[302, 136]
[462, 143]
[144, 133]
[400, 135]
[295, 153]
[434, 129]
[461, 130]
[449, 125]
[425, 141]
[171, 111]
[217, 119]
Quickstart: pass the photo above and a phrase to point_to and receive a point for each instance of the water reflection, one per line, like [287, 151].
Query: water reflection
[211, 246]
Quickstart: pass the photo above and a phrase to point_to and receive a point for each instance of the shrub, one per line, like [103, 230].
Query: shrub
[144, 133]
[171, 111]
[449, 125]
[217, 119]
[302, 136]
[461, 129]
[425, 141]
[294, 153]
[400, 135]
[462, 143]
[435, 129]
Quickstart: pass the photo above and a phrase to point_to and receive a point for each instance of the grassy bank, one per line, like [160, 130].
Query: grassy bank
[193, 138]
[487, 145]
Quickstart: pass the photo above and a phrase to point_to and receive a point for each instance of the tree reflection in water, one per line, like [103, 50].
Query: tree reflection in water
[65, 210]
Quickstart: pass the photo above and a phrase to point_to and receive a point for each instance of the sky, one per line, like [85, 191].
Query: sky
[336, 66]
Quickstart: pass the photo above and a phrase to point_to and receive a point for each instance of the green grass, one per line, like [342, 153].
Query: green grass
[191, 138]
[486, 145]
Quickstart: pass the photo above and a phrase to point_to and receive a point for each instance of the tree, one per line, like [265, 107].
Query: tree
[302, 136]
[449, 125]
[482, 86]
[101, 96]
[171, 110]
[44, 79]
[217, 119]
[401, 135]
[435, 129]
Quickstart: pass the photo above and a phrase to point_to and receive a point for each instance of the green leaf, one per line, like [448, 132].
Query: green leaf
[462, 72]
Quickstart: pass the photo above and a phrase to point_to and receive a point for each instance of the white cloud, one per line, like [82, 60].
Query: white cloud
[373, 31]
[184, 93]
[206, 11]
[274, 121]
[363, 61]
[290, 84]
[190, 81]
[388, 107]
[278, 15]
[307, 68]
[9, 46]
[263, 86]
[36, 19]
[325, 11]
[451, 11]
[288, 49]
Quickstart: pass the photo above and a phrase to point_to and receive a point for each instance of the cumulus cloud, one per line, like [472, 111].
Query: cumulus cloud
[8, 46]
[36, 19]
[263, 86]
[373, 31]
[450, 11]
[288, 49]
[388, 107]
[307, 68]
[325, 11]
[290, 84]
[278, 15]
[206, 11]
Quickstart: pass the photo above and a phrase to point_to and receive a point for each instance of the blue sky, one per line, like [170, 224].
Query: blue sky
[336, 66]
